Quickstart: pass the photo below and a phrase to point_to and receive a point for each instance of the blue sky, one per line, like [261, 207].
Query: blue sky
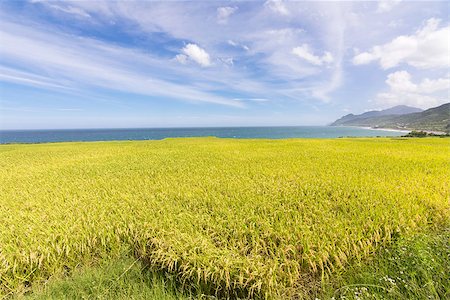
[100, 64]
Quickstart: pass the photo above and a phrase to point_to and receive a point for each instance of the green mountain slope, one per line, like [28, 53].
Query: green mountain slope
[433, 119]
[396, 110]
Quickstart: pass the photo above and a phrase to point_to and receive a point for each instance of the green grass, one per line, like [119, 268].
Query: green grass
[250, 218]
[417, 267]
[123, 278]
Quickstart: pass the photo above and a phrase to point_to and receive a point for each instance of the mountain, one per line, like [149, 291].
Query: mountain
[401, 110]
[396, 110]
[402, 117]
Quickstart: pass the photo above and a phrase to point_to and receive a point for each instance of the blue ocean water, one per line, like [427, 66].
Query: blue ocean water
[66, 135]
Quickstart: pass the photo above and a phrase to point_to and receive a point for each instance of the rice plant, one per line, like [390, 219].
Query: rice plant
[234, 218]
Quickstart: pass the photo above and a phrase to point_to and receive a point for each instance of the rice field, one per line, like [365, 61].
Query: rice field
[233, 218]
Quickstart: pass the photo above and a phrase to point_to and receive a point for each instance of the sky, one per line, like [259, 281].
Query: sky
[129, 64]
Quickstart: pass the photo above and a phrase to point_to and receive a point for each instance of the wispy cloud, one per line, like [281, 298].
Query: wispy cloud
[305, 52]
[70, 63]
[277, 6]
[211, 56]
[69, 109]
[428, 48]
[70, 10]
[267, 45]
[386, 5]
[252, 99]
[26, 78]
[223, 13]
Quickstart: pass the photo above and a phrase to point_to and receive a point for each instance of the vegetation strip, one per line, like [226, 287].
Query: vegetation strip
[237, 218]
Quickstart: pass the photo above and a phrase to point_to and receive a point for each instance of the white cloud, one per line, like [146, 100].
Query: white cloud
[237, 45]
[431, 86]
[427, 48]
[425, 94]
[69, 109]
[181, 58]
[386, 5]
[270, 33]
[63, 7]
[305, 52]
[82, 8]
[322, 91]
[277, 6]
[364, 58]
[223, 13]
[72, 10]
[67, 64]
[401, 82]
[252, 99]
[410, 99]
[278, 69]
[194, 53]
[26, 78]
[233, 43]
[227, 61]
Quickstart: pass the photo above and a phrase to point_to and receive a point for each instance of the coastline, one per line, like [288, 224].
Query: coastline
[404, 130]
[408, 130]
[376, 128]
[384, 129]
[397, 130]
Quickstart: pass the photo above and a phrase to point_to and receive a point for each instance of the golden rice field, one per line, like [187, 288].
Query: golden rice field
[236, 218]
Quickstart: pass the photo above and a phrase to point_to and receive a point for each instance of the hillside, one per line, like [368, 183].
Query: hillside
[396, 110]
[433, 119]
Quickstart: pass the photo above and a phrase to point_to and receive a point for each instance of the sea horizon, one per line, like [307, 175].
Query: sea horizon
[10, 136]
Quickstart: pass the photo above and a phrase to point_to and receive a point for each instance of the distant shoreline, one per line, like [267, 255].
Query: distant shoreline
[395, 130]
[375, 128]
[384, 129]
[407, 130]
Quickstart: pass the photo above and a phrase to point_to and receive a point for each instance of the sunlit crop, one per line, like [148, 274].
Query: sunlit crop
[251, 218]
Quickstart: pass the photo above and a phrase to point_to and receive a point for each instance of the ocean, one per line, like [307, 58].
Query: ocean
[70, 135]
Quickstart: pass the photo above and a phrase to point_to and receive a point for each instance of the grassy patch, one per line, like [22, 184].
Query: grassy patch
[123, 278]
[416, 267]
